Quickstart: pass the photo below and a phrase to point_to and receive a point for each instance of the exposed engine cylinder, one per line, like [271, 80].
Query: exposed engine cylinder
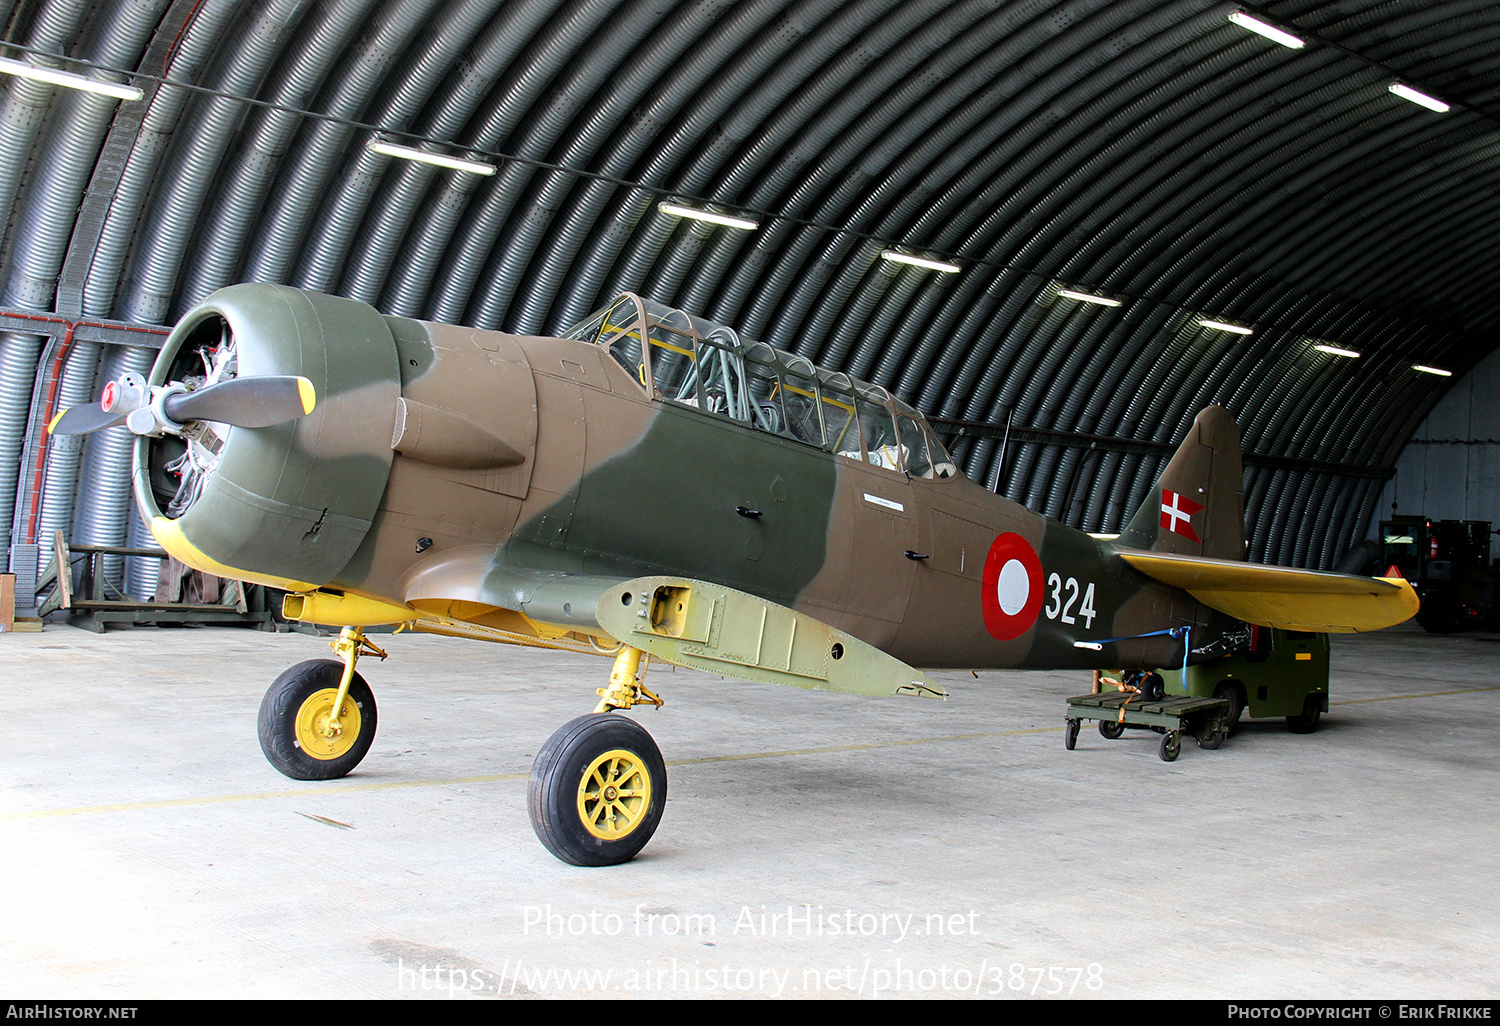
[257, 503]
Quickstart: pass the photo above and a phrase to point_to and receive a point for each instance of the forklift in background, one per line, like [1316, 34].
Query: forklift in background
[1448, 562]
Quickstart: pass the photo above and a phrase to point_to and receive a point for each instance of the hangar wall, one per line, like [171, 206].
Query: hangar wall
[1450, 470]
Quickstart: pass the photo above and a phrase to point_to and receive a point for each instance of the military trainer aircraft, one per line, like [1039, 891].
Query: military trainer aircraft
[649, 485]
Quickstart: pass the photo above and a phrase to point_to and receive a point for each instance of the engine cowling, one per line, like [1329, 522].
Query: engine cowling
[285, 505]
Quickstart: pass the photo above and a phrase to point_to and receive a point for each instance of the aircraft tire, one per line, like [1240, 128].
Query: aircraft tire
[1153, 688]
[597, 791]
[1307, 722]
[296, 703]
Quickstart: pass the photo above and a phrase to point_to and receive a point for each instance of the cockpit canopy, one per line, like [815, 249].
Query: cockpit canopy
[691, 361]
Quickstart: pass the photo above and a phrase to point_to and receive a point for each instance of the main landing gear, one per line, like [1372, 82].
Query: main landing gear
[599, 785]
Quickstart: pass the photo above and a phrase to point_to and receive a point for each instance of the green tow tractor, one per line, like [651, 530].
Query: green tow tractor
[1281, 674]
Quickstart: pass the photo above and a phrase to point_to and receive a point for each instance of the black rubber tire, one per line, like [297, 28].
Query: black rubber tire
[1111, 729]
[558, 778]
[1209, 736]
[1153, 687]
[1312, 713]
[1171, 744]
[279, 710]
[1070, 735]
[1232, 693]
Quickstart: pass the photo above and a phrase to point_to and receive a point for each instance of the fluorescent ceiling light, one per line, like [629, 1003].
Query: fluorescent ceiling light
[1420, 99]
[895, 256]
[1221, 326]
[1271, 32]
[1084, 297]
[1431, 370]
[69, 80]
[712, 217]
[423, 156]
[1335, 350]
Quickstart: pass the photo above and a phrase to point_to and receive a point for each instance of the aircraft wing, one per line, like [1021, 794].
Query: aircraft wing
[1279, 596]
[471, 584]
[677, 619]
[721, 630]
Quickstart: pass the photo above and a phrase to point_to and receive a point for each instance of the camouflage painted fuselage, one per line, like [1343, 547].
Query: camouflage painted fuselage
[622, 485]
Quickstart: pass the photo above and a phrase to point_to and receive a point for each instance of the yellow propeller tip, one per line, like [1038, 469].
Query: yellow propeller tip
[308, 394]
[53, 422]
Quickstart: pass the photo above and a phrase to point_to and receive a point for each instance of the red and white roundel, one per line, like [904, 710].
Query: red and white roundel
[1012, 592]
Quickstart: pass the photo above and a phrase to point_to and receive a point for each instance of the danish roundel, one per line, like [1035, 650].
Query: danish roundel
[1012, 591]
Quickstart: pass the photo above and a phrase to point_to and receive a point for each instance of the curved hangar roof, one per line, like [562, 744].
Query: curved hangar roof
[1144, 206]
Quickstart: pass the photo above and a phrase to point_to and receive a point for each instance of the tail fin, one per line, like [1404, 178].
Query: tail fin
[1196, 507]
[1193, 528]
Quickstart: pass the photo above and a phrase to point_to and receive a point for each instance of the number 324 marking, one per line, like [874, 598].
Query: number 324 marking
[1058, 609]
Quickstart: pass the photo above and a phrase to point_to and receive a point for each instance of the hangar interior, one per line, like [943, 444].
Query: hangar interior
[1058, 228]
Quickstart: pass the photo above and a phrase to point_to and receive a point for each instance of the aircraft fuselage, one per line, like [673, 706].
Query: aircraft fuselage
[617, 483]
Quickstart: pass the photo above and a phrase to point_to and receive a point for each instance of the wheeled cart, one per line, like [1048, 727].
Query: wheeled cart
[1207, 719]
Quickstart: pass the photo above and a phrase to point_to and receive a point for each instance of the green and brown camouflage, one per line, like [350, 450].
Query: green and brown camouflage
[511, 482]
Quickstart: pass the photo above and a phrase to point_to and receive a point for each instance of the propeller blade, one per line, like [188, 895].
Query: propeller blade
[81, 420]
[245, 402]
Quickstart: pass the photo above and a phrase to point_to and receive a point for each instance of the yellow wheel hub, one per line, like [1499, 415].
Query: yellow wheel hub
[313, 734]
[615, 794]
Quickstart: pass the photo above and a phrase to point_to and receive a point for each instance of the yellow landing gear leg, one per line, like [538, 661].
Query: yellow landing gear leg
[626, 682]
[598, 786]
[349, 645]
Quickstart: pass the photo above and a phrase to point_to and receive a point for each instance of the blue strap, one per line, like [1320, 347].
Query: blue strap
[1184, 633]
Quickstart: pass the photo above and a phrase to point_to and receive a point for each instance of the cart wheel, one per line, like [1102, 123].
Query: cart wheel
[1171, 744]
[1070, 734]
[1111, 729]
[1211, 735]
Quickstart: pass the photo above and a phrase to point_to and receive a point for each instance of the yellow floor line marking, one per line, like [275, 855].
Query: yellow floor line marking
[1425, 694]
[168, 803]
[859, 748]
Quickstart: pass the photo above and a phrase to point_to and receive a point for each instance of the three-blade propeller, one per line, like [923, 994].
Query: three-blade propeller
[252, 402]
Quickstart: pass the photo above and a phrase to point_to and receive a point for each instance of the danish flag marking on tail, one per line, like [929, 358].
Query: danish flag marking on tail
[1177, 514]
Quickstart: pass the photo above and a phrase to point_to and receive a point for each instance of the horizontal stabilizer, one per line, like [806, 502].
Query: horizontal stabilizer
[1279, 596]
[720, 630]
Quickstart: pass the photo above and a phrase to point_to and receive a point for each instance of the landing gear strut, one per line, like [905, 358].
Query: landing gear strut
[599, 785]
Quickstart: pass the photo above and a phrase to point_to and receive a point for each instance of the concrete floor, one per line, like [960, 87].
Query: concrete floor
[814, 844]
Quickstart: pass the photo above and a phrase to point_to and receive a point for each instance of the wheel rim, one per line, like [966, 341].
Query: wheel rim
[312, 726]
[614, 795]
